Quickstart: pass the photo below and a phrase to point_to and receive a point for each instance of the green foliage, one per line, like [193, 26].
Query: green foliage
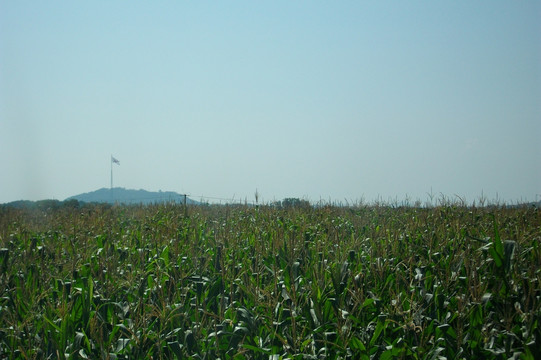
[293, 282]
[292, 203]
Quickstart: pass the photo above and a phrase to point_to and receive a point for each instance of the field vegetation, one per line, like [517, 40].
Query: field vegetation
[246, 282]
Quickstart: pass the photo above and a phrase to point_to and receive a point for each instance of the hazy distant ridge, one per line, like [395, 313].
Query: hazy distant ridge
[128, 196]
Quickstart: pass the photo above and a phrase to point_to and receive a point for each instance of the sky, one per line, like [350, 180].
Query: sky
[334, 101]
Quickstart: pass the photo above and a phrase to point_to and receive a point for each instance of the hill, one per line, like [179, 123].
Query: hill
[128, 196]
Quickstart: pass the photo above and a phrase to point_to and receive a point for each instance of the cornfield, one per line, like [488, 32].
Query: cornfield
[245, 282]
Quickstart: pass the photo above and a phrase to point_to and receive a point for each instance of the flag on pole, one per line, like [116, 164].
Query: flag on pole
[115, 160]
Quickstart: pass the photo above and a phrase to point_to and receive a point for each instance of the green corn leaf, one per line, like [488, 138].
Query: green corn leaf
[497, 250]
[56, 327]
[176, 347]
[379, 328]
[356, 344]
[256, 349]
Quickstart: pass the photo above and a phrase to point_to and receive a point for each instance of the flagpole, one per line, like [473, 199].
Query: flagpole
[112, 197]
[113, 160]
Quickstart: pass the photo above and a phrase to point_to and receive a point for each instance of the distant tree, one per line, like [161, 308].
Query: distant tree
[72, 204]
[48, 204]
[294, 203]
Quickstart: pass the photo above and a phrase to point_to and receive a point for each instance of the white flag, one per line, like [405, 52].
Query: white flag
[115, 160]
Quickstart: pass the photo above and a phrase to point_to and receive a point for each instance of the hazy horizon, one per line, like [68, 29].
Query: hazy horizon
[313, 100]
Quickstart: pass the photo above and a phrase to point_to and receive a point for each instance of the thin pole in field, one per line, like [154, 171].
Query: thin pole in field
[112, 196]
[115, 161]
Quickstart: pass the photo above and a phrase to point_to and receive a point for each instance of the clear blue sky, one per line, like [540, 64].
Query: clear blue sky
[309, 99]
